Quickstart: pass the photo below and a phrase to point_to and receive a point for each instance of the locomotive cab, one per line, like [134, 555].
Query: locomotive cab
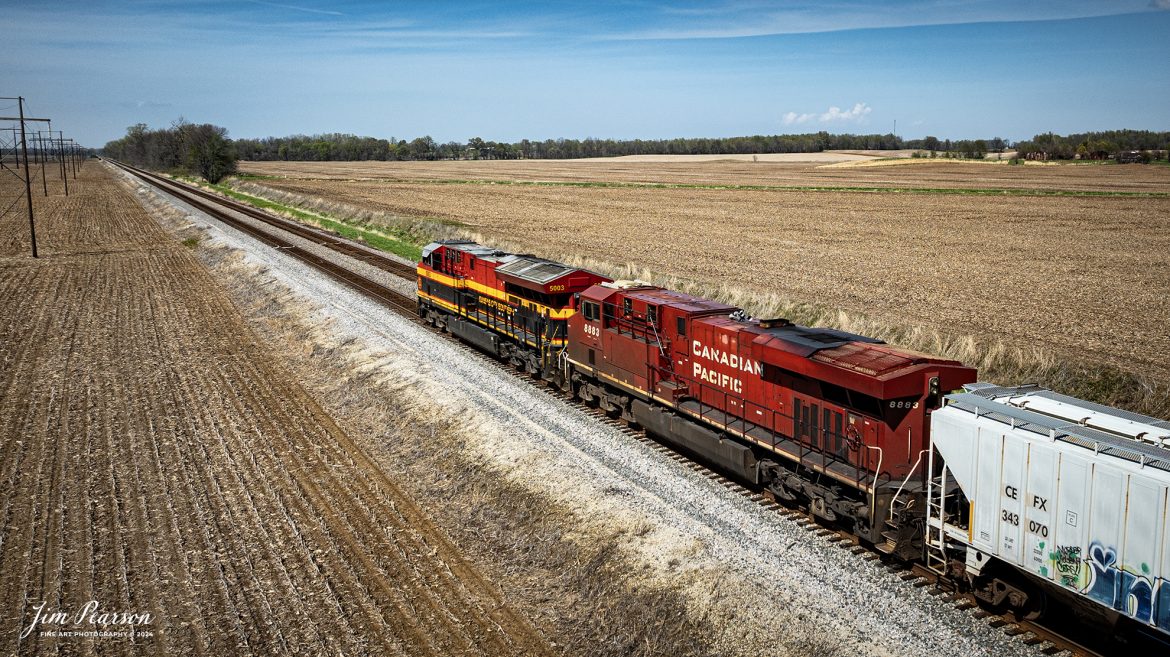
[514, 306]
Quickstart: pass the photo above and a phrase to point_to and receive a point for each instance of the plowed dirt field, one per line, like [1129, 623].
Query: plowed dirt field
[1082, 272]
[907, 173]
[154, 458]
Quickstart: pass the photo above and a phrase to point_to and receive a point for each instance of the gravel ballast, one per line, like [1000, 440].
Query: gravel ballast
[771, 586]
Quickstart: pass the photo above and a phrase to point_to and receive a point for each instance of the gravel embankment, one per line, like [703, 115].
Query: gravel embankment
[772, 586]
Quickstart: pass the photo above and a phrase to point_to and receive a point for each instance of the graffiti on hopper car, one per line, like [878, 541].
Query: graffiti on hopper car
[1138, 596]
[1067, 560]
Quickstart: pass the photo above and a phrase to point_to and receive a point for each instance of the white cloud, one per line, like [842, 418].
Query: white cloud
[792, 117]
[857, 114]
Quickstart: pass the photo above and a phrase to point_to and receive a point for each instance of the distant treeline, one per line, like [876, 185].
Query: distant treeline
[341, 147]
[206, 150]
[1092, 145]
[202, 149]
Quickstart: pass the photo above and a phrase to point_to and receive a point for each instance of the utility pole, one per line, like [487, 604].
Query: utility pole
[61, 152]
[44, 156]
[32, 228]
[4, 147]
[73, 157]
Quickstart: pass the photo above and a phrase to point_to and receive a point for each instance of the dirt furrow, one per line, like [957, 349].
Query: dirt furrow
[31, 417]
[211, 409]
[477, 602]
[291, 557]
[385, 605]
[440, 594]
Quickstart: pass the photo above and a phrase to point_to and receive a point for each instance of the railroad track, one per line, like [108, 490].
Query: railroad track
[1049, 640]
[200, 198]
[223, 209]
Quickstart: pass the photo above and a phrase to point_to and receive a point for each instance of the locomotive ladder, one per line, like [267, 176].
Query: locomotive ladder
[936, 516]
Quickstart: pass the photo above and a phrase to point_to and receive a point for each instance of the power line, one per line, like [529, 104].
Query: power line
[23, 155]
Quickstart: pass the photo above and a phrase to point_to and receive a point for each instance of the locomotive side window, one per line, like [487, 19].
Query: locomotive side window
[627, 305]
[652, 314]
[682, 327]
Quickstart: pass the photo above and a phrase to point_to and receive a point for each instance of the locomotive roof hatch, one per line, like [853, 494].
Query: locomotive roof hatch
[540, 274]
[534, 270]
[467, 246]
[680, 301]
[804, 341]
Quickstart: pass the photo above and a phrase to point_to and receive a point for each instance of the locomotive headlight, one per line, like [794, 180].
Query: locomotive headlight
[933, 394]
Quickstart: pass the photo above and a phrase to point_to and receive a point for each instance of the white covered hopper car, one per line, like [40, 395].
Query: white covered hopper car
[1034, 494]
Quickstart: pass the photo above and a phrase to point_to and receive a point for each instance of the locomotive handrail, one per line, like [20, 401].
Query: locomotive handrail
[807, 446]
[873, 490]
[905, 481]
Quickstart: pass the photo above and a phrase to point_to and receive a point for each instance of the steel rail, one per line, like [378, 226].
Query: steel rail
[365, 286]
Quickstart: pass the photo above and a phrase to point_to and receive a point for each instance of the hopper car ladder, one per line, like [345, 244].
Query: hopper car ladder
[937, 498]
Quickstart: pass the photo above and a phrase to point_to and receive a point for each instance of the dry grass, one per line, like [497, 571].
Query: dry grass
[1070, 291]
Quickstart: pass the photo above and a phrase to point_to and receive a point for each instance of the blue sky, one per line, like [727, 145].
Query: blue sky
[507, 71]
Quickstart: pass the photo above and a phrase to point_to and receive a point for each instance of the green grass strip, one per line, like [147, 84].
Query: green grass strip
[371, 238]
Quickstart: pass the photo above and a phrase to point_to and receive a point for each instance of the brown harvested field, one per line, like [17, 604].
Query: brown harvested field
[1085, 277]
[901, 173]
[156, 459]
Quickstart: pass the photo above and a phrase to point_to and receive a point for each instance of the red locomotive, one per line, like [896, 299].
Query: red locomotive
[833, 419]
[514, 306]
[836, 419]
